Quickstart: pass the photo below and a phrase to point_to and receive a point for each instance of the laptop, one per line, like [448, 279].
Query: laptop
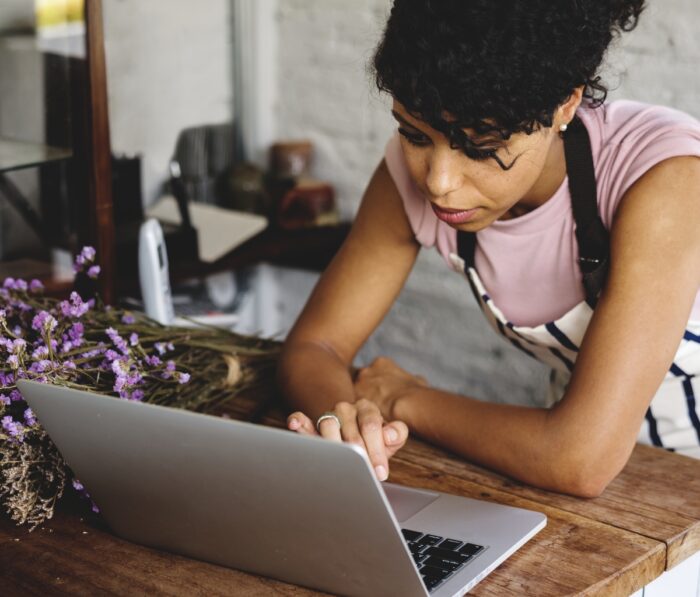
[268, 501]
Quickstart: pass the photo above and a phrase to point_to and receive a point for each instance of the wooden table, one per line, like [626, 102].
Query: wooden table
[646, 522]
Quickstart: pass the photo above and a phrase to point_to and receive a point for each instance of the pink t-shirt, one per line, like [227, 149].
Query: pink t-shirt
[529, 264]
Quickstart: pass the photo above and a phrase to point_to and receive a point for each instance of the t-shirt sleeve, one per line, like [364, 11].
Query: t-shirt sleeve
[642, 137]
[417, 208]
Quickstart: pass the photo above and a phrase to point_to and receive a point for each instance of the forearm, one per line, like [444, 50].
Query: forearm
[313, 378]
[520, 442]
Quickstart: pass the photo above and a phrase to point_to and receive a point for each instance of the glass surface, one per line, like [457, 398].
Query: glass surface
[15, 155]
[42, 60]
[38, 41]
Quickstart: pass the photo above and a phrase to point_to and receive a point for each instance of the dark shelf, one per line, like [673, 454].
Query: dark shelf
[15, 155]
[309, 248]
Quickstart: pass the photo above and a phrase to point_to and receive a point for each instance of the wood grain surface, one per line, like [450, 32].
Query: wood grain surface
[645, 522]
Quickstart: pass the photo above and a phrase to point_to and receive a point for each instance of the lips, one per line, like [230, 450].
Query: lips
[454, 216]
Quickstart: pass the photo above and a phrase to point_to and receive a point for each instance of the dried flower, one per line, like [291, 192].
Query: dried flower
[82, 344]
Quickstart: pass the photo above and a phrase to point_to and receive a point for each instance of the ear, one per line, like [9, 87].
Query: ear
[566, 111]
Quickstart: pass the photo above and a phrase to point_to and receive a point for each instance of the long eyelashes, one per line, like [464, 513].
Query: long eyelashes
[421, 141]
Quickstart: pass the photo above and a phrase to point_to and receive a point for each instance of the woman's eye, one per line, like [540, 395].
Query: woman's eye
[414, 138]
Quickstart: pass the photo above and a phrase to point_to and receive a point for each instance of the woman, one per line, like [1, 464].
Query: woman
[574, 222]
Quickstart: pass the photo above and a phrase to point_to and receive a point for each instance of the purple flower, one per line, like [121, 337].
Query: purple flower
[40, 352]
[13, 361]
[18, 346]
[69, 365]
[86, 256]
[40, 366]
[14, 428]
[36, 286]
[75, 333]
[153, 361]
[170, 365]
[117, 340]
[134, 339]
[77, 485]
[9, 283]
[15, 396]
[44, 322]
[111, 355]
[74, 308]
[183, 377]
[4, 399]
[128, 319]
[160, 347]
[137, 395]
[93, 271]
[94, 352]
[29, 418]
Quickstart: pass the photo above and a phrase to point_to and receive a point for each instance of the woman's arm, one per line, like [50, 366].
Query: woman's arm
[351, 298]
[582, 443]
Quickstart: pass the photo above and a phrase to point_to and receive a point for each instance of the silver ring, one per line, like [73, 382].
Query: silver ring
[327, 415]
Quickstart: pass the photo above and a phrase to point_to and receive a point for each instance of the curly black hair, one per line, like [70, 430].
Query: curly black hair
[496, 65]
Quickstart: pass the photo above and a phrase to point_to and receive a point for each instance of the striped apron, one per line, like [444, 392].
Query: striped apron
[671, 420]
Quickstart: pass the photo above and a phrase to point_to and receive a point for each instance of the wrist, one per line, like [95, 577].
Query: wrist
[403, 406]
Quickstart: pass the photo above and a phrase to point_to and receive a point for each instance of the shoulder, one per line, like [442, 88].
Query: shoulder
[628, 139]
[626, 122]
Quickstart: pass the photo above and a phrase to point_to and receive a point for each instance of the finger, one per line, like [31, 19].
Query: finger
[370, 422]
[329, 429]
[349, 431]
[395, 436]
[395, 433]
[300, 423]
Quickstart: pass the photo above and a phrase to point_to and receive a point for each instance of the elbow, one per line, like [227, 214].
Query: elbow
[586, 487]
[585, 475]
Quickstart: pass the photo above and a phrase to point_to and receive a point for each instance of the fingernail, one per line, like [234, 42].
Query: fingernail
[293, 423]
[391, 435]
[381, 473]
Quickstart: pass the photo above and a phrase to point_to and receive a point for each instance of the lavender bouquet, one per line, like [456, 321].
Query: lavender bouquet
[86, 345]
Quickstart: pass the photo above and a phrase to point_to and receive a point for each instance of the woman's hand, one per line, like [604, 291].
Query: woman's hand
[383, 382]
[362, 424]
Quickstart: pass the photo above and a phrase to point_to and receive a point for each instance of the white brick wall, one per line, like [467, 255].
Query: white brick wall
[169, 66]
[326, 95]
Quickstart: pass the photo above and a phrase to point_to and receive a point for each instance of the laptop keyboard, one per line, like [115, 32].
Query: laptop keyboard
[438, 558]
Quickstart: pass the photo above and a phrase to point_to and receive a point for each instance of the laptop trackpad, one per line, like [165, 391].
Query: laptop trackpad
[406, 501]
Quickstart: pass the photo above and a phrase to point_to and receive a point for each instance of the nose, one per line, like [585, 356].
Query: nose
[444, 172]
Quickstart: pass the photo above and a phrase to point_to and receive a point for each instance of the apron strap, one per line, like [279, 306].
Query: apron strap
[591, 235]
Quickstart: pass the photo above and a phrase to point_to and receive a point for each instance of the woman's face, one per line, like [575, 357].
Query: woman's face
[469, 194]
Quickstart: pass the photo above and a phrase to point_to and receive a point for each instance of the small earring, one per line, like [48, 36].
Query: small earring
[563, 127]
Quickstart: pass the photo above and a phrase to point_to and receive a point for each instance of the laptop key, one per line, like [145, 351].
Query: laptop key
[470, 549]
[447, 565]
[428, 571]
[450, 544]
[447, 554]
[417, 547]
[431, 539]
[411, 535]
[418, 557]
[431, 582]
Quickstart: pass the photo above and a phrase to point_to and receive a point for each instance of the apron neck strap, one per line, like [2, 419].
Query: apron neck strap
[591, 235]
